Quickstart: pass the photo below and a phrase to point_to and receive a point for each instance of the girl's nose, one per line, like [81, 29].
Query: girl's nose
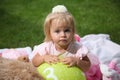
[62, 34]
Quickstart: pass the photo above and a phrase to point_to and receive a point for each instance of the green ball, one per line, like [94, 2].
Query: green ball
[60, 71]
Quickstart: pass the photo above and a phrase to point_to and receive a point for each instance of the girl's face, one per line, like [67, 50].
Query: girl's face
[61, 34]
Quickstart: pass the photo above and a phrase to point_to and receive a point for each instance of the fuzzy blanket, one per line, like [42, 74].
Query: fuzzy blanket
[17, 70]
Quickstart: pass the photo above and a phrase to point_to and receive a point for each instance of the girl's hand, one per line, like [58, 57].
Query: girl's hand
[50, 58]
[70, 61]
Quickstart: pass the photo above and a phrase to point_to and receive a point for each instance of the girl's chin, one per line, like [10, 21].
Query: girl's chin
[63, 44]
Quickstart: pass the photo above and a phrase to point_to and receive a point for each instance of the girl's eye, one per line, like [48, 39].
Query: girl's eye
[67, 30]
[57, 31]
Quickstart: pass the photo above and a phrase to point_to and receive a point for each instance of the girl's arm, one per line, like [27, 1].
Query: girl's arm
[84, 64]
[37, 60]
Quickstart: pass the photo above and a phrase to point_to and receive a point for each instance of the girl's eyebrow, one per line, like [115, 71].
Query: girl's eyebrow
[68, 28]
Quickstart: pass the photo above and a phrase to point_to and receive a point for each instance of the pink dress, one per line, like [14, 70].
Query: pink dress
[74, 49]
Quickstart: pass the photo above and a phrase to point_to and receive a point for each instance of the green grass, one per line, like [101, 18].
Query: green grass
[21, 21]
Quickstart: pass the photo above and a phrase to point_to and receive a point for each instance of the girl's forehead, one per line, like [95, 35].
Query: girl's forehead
[60, 23]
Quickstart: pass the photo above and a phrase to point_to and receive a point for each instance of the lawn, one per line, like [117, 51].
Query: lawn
[21, 21]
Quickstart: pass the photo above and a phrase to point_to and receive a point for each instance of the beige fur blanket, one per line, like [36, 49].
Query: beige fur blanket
[17, 70]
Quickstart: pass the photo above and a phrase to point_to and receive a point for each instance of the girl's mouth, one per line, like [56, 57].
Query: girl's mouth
[63, 41]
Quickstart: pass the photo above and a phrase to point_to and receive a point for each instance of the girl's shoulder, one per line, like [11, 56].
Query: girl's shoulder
[77, 44]
[80, 47]
[41, 48]
[74, 47]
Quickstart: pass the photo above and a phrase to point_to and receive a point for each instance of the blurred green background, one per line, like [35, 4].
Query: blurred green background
[21, 21]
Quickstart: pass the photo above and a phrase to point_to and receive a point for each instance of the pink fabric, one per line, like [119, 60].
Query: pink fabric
[73, 48]
[114, 65]
[13, 53]
[77, 37]
[94, 72]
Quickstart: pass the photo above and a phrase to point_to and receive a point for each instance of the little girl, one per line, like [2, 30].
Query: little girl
[59, 44]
